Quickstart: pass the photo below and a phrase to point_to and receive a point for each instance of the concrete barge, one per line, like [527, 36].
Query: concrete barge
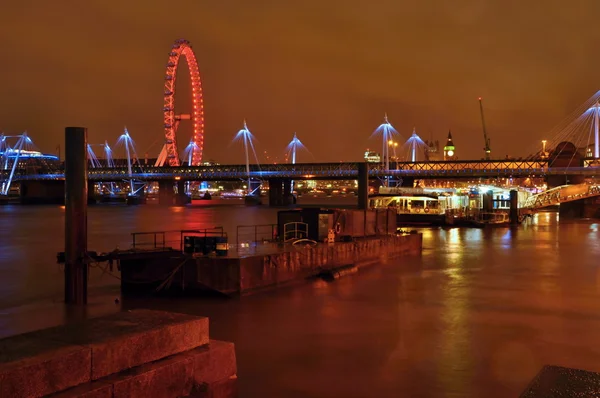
[303, 244]
[170, 271]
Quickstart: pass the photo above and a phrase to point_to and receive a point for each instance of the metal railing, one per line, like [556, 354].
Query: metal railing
[206, 232]
[254, 234]
[295, 230]
[344, 170]
[562, 194]
[155, 240]
[160, 240]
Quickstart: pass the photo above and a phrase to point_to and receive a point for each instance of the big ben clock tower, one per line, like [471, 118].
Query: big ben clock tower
[449, 149]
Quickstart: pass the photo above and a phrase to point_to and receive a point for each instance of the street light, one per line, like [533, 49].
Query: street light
[544, 149]
[394, 145]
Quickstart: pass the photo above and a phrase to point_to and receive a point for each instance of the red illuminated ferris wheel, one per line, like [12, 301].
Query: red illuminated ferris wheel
[170, 153]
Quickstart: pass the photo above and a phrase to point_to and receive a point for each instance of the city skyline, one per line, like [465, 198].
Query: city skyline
[329, 82]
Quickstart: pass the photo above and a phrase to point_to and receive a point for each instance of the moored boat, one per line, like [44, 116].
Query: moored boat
[418, 206]
[494, 219]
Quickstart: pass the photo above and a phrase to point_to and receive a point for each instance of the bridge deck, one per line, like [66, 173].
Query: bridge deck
[562, 194]
[308, 171]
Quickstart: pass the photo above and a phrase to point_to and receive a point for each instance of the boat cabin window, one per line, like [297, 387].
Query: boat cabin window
[432, 204]
[417, 204]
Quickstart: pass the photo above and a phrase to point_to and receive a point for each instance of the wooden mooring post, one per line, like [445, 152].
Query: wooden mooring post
[76, 268]
[514, 207]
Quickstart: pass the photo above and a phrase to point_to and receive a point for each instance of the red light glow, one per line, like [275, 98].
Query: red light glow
[183, 47]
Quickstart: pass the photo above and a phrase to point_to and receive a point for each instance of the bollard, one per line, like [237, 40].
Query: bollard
[363, 186]
[488, 201]
[514, 207]
[488, 205]
[76, 215]
[363, 192]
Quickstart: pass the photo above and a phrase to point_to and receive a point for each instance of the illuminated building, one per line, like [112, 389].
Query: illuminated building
[432, 151]
[449, 149]
[372, 157]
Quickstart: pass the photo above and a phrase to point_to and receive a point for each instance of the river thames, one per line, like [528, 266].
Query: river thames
[478, 313]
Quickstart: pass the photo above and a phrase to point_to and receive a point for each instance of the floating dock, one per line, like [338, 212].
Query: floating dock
[303, 244]
[270, 265]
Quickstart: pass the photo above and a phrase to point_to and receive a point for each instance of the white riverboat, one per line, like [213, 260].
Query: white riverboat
[446, 206]
[421, 206]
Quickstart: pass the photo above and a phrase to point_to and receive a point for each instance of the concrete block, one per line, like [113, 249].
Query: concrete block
[94, 389]
[171, 377]
[226, 388]
[179, 375]
[213, 363]
[557, 381]
[55, 359]
[207, 371]
[32, 365]
[128, 339]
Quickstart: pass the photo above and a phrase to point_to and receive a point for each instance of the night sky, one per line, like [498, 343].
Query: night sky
[325, 69]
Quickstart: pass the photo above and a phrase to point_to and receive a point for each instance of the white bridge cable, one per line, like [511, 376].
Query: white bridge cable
[127, 142]
[23, 144]
[92, 158]
[577, 128]
[247, 137]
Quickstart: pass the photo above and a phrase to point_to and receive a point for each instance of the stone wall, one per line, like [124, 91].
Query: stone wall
[130, 354]
[241, 275]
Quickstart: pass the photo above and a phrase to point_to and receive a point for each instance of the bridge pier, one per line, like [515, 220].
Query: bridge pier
[487, 205]
[280, 192]
[514, 207]
[577, 209]
[363, 186]
[171, 194]
[92, 193]
[288, 193]
[138, 197]
[166, 193]
[181, 198]
[47, 192]
[488, 202]
[253, 196]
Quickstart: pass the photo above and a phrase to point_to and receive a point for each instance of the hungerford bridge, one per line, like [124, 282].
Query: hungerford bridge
[563, 164]
[39, 179]
[321, 171]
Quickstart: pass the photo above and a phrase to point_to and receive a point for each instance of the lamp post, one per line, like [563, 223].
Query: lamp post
[394, 145]
[544, 148]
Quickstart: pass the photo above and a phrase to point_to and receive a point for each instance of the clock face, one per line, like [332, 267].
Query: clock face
[450, 153]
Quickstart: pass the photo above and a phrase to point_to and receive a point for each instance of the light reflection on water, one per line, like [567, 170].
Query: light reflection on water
[30, 237]
[478, 313]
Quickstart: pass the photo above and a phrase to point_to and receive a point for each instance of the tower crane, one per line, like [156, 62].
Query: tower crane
[486, 140]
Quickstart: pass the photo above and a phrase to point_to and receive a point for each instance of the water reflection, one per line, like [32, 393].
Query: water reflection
[30, 237]
[477, 314]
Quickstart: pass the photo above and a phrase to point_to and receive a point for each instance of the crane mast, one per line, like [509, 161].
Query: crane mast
[486, 140]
